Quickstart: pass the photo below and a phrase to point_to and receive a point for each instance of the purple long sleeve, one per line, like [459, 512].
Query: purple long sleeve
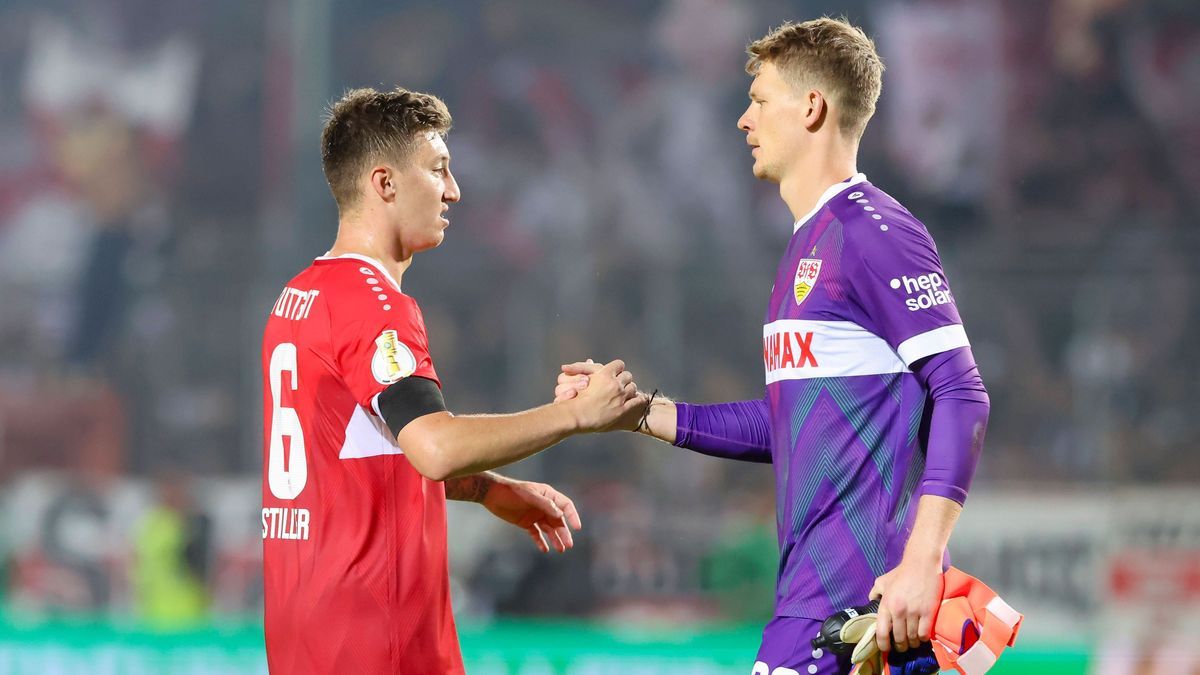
[957, 424]
[736, 430]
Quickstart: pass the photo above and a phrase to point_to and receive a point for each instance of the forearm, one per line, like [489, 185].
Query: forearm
[738, 430]
[444, 446]
[936, 517]
[958, 422]
[956, 432]
[472, 488]
[660, 422]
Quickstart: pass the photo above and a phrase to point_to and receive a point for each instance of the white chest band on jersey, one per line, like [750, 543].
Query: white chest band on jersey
[798, 349]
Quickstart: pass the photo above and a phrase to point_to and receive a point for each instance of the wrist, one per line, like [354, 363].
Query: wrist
[570, 416]
[661, 421]
[496, 480]
[924, 556]
[473, 488]
[648, 401]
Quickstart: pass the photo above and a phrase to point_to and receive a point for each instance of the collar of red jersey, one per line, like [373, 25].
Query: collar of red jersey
[368, 260]
[829, 193]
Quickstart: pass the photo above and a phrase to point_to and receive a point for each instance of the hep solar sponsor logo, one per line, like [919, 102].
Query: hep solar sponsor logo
[923, 291]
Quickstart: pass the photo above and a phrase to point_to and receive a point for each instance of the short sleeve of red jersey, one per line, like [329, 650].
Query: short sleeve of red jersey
[376, 343]
[900, 286]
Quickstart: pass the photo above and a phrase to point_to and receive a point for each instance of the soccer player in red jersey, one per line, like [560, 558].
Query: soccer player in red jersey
[360, 451]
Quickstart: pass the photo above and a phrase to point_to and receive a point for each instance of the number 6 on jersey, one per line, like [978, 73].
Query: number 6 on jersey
[285, 483]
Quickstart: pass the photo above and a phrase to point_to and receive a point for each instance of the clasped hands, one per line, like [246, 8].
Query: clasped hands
[605, 394]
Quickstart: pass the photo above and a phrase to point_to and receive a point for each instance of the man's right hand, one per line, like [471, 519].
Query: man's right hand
[578, 379]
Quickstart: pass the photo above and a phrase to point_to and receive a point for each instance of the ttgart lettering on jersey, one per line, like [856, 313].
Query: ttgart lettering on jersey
[285, 523]
[294, 304]
[788, 349]
[931, 288]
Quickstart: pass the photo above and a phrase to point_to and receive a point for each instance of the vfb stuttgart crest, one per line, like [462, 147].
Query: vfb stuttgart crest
[806, 277]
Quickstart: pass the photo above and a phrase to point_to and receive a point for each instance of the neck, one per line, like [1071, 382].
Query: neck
[808, 180]
[356, 235]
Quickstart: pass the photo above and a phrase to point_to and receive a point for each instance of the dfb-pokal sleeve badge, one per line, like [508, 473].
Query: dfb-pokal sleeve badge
[393, 360]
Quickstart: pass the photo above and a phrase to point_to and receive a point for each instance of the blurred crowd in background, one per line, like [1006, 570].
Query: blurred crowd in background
[160, 181]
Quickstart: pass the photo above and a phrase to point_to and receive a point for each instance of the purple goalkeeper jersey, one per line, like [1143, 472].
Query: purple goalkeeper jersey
[859, 297]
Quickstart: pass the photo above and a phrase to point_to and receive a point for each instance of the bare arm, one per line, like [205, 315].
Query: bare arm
[471, 488]
[543, 512]
[936, 517]
[910, 592]
[661, 422]
[442, 445]
[957, 428]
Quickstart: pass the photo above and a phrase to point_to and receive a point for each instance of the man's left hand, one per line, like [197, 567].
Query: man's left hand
[537, 508]
[910, 595]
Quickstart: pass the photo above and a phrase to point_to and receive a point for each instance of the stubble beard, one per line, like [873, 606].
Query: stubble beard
[764, 171]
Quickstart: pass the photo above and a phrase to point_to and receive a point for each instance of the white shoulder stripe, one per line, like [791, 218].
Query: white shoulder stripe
[933, 342]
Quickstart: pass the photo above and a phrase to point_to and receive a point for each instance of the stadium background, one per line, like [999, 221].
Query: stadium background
[159, 180]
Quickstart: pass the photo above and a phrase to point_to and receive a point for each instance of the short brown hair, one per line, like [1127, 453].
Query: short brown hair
[831, 54]
[367, 126]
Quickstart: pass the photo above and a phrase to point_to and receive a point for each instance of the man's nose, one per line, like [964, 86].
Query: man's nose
[745, 122]
[452, 193]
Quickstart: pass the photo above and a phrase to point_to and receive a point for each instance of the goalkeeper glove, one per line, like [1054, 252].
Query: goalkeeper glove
[852, 631]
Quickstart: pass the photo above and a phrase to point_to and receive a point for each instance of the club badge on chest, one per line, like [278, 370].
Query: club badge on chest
[806, 278]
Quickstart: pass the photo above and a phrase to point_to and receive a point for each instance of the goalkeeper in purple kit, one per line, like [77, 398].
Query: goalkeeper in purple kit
[874, 412]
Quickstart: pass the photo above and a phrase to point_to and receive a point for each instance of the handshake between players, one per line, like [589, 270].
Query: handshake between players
[576, 382]
[604, 399]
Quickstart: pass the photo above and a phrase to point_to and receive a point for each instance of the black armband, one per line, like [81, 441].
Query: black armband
[409, 399]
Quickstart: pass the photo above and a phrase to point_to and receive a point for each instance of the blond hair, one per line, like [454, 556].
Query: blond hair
[368, 126]
[831, 55]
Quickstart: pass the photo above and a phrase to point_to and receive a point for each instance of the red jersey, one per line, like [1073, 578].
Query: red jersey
[354, 539]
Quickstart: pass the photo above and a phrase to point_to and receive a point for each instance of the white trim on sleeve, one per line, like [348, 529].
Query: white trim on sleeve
[932, 342]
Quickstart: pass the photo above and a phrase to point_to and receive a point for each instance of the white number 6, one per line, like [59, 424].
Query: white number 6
[285, 483]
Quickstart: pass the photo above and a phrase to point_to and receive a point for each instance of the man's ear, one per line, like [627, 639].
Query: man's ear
[816, 110]
[383, 182]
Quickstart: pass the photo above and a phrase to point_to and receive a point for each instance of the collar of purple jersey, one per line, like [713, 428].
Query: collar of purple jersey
[830, 192]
